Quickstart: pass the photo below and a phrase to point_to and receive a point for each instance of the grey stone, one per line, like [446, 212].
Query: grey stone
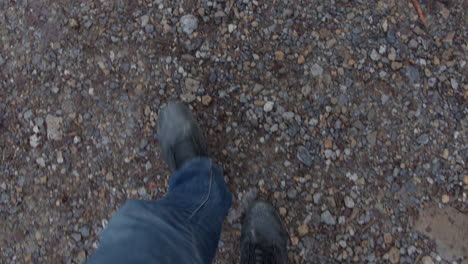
[412, 73]
[84, 231]
[41, 162]
[384, 98]
[372, 138]
[306, 90]
[268, 106]
[413, 44]
[189, 24]
[375, 56]
[304, 156]
[423, 139]
[317, 197]
[328, 218]
[316, 70]
[144, 20]
[292, 193]
[349, 202]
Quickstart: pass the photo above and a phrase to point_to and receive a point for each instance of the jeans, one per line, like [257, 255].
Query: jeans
[182, 227]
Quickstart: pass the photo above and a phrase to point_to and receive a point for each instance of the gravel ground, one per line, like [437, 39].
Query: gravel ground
[350, 116]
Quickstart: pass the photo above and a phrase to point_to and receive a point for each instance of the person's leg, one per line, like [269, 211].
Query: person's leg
[185, 225]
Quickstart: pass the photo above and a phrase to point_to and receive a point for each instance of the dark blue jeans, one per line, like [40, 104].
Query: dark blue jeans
[182, 227]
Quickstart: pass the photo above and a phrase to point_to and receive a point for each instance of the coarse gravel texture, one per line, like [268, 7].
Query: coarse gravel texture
[349, 116]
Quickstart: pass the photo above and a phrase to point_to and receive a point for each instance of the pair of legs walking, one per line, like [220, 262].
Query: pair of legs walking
[185, 225]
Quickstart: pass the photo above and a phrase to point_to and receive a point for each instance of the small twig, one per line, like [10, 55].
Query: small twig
[420, 12]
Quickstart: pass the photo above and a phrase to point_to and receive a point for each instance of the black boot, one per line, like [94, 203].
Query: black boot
[180, 138]
[264, 238]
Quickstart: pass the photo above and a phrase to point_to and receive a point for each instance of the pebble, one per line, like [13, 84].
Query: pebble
[206, 100]
[328, 218]
[292, 193]
[316, 70]
[465, 179]
[388, 238]
[144, 20]
[427, 260]
[303, 230]
[231, 28]
[384, 98]
[304, 156]
[283, 211]
[375, 56]
[268, 106]
[306, 89]
[423, 139]
[189, 24]
[349, 202]
[279, 55]
[372, 138]
[54, 127]
[34, 140]
[394, 255]
[41, 162]
[445, 199]
[317, 197]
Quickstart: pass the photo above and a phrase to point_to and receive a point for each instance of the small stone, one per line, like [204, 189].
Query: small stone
[149, 28]
[454, 83]
[268, 106]
[304, 156]
[375, 56]
[328, 143]
[76, 236]
[316, 70]
[349, 202]
[54, 127]
[306, 90]
[73, 23]
[465, 179]
[412, 73]
[292, 193]
[84, 231]
[303, 230]
[445, 154]
[41, 162]
[394, 255]
[445, 199]
[423, 139]
[300, 59]
[317, 197]
[279, 55]
[231, 28]
[413, 44]
[142, 191]
[192, 85]
[144, 20]
[328, 218]
[427, 260]
[189, 24]
[188, 97]
[396, 65]
[384, 98]
[59, 157]
[206, 100]
[372, 138]
[387, 238]
[34, 140]
[283, 211]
